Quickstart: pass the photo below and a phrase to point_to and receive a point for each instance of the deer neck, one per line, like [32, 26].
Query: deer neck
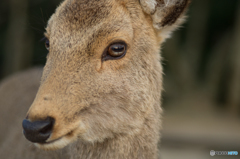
[143, 145]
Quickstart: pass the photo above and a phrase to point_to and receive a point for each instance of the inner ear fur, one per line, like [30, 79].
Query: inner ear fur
[165, 12]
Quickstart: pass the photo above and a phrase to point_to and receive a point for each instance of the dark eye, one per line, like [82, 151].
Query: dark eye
[115, 51]
[47, 44]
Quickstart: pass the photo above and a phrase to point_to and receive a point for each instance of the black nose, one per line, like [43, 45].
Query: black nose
[38, 131]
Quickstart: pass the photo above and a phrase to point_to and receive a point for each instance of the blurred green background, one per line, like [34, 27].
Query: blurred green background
[201, 64]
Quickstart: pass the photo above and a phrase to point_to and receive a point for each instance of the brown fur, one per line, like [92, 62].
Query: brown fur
[172, 13]
[111, 109]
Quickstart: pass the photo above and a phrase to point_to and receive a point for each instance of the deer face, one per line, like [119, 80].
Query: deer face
[102, 77]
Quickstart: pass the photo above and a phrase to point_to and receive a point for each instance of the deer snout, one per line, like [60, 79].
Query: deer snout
[38, 131]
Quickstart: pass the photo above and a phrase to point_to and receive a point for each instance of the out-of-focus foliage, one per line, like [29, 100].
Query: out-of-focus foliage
[204, 56]
[22, 26]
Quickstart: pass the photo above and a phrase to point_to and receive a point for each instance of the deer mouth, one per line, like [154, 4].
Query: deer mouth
[58, 143]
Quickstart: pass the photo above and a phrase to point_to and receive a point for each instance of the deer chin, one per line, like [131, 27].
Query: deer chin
[58, 143]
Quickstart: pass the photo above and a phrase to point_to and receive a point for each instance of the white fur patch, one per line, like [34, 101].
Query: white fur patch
[58, 144]
[167, 2]
[148, 6]
[171, 2]
[151, 3]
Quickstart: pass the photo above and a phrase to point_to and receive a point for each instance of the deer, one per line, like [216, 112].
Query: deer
[100, 90]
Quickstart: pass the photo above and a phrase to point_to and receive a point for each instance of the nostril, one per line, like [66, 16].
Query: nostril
[38, 131]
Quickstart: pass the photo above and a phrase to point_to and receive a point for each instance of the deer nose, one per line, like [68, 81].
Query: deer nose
[38, 131]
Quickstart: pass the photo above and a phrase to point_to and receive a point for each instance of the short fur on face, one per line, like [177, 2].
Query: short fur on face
[94, 100]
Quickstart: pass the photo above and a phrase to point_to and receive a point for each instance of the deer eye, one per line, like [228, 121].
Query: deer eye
[47, 43]
[115, 51]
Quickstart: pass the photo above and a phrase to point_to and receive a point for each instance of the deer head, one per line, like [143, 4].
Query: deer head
[103, 76]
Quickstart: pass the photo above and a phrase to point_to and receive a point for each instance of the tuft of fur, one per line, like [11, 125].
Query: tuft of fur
[167, 15]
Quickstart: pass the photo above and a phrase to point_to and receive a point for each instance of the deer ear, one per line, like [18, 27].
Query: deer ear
[167, 15]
